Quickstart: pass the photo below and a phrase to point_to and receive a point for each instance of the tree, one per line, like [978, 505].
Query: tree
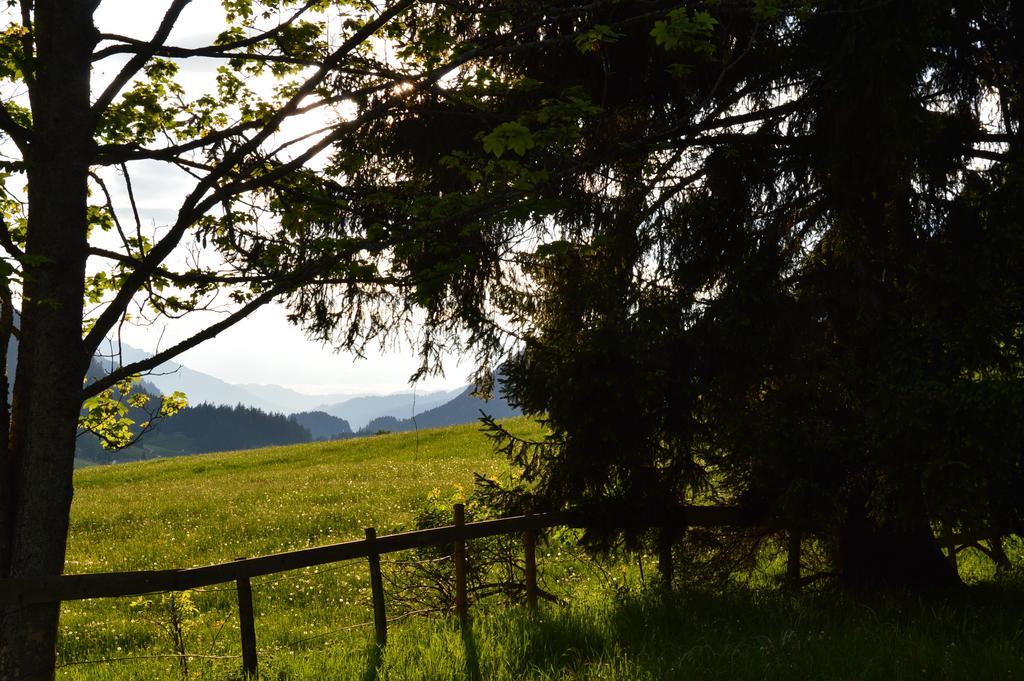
[787, 274]
[274, 211]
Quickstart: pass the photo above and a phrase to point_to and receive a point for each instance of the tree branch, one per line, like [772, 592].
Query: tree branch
[382, 108]
[133, 45]
[7, 242]
[21, 136]
[725, 122]
[193, 206]
[111, 154]
[206, 334]
[110, 207]
[136, 63]
[211, 53]
[986, 155]
[181, 278]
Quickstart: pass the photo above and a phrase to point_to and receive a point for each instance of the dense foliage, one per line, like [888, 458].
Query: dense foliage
[765, 254]
[798, 286]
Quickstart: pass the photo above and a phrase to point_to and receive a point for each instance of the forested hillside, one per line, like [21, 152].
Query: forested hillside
[322, 425]
[199, 429]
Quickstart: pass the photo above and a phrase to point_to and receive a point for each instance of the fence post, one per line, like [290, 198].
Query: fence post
[247, 625]
[530, 548]
[793, 560]
[459, 512]
[380, 619]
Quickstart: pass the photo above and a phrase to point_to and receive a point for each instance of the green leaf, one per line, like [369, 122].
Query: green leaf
[511, 135]
[592, 39]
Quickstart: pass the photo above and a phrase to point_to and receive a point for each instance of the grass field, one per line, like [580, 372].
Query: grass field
[311, 623]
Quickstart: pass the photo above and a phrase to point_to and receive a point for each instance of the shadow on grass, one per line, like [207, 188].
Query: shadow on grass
[471, 650]
[758, 635]
[375, 658]
[736, 635]
[561, 639]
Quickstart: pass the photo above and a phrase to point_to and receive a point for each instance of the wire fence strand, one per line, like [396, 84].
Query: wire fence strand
[129, 658]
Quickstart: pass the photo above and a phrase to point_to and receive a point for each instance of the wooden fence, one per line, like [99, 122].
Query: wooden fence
[20, 591]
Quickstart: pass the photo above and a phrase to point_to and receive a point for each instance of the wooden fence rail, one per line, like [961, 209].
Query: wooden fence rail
[27, 590]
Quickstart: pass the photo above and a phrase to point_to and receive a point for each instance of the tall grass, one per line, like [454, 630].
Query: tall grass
[648, 635]
[312, 624]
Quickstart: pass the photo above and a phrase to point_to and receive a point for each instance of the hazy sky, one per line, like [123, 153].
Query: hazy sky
[265, 348]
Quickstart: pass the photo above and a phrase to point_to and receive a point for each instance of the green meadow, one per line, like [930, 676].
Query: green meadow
[312, 624]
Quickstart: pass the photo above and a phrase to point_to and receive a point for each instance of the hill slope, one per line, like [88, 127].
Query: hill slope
[211, 507]
[314, 624]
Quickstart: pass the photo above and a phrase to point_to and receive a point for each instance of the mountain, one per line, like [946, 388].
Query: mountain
[465, 408]
[199, 387]
[322, 425]
[384, 424]
[359, 411]
[230, 416]
[290, 400]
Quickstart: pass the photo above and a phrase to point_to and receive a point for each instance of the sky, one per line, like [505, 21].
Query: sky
[265, 348]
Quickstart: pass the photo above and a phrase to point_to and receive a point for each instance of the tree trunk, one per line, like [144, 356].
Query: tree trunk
[6, 461]
[51, 363]
[902, 556]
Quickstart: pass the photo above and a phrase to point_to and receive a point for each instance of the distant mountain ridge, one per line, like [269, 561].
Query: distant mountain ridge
[464, 408]
[357, 409]
[226, 416]
[198, 386]
[292, 401]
